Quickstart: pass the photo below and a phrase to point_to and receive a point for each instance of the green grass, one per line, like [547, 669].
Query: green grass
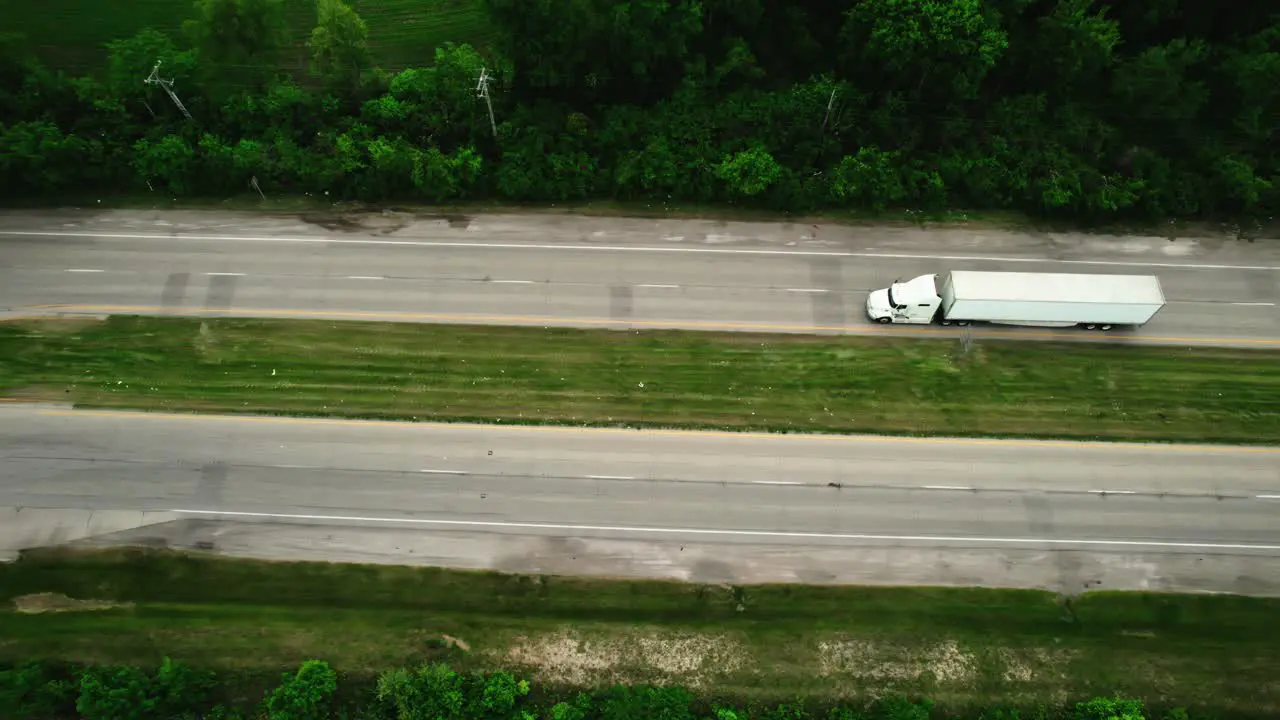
[962, 647]
[72, 34]
[659, 378]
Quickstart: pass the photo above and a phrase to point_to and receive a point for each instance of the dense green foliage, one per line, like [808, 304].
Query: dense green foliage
[1075, 108]
[35, 691]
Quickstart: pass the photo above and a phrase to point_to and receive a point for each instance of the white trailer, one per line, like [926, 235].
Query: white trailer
[961, 297]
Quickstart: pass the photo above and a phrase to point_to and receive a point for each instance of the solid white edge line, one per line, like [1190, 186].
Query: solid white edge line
[1254, 304]
[617, 248]
[946, 487]
[1268, 497]
[610, 477]
[736, 533]
[365, 277]
[226, 274]
[806, 290]
[513, 282]
[775, 482]
[658, 285]
[445, 472]
[1113, 492]
[84, 270]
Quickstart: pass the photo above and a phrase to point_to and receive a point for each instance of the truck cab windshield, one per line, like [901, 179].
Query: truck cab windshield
[892, 303]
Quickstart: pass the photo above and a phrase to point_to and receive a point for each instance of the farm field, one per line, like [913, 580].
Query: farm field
[71, 35]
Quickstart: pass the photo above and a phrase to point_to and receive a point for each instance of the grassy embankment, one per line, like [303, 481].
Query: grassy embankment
[658, 378]
[71, 34]
[963, 648]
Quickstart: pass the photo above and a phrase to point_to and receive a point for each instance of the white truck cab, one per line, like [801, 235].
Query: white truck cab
[914, 302]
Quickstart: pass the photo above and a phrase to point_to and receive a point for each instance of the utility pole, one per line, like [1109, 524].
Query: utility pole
[830, 105]
[155, 79]
[482, 89]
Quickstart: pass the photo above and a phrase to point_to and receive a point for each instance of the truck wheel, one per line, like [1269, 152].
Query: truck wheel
[962, 323]
[1104, 327]
[944, 322]
[884, 321]
[1090, 326]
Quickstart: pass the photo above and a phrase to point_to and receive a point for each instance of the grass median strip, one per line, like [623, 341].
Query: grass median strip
[647, 378]
[964, 648]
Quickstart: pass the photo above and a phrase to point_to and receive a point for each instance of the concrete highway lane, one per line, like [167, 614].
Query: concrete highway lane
[800, 490]
[701, 507]
[590, 272]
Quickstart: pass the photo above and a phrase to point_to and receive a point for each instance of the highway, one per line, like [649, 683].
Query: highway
[695, 506]
[590, 272]
[750, 494]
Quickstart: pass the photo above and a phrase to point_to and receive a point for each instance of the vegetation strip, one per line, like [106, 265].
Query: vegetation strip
[1132, 115]
[672, 379]
[964, 648]
[430, 691]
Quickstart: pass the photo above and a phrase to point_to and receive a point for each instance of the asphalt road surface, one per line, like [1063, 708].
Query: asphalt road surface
[591, 272]
[738, 498]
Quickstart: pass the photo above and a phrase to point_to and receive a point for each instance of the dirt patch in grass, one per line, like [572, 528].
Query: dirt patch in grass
[452, 642]
[646, 379]
[863, 661]
[56, 603]
[568, 657]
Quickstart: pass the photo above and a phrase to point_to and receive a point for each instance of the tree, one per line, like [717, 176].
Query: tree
[38, 156]
[304, 695]
[1157, 93]
[442, 177]
[438, 105]
[1251, 72]
[238, 41]
[30, 690]
[433, 692]
[750, 172]
[646, 703]
[499, 696]
[130, 694]
[939, 48]
[1110, 709]
[130, 61]
[114, 694]
[1074, 44]
[170, 162]
[870, 178]
[339, 44]
[608, 50]
[575, 709]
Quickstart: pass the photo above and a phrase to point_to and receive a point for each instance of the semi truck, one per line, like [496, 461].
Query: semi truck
[962, 297]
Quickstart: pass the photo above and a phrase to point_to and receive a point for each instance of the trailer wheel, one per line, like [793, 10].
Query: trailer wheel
[1090, 326]
[1104, 327]
[962, 323]
[944, 321]
[884, 320]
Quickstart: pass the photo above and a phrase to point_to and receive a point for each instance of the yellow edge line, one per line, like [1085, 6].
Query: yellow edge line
[672, 324]
[858, 438]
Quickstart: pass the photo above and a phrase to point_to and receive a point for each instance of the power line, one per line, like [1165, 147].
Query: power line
[482, 87]
[155, 79]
